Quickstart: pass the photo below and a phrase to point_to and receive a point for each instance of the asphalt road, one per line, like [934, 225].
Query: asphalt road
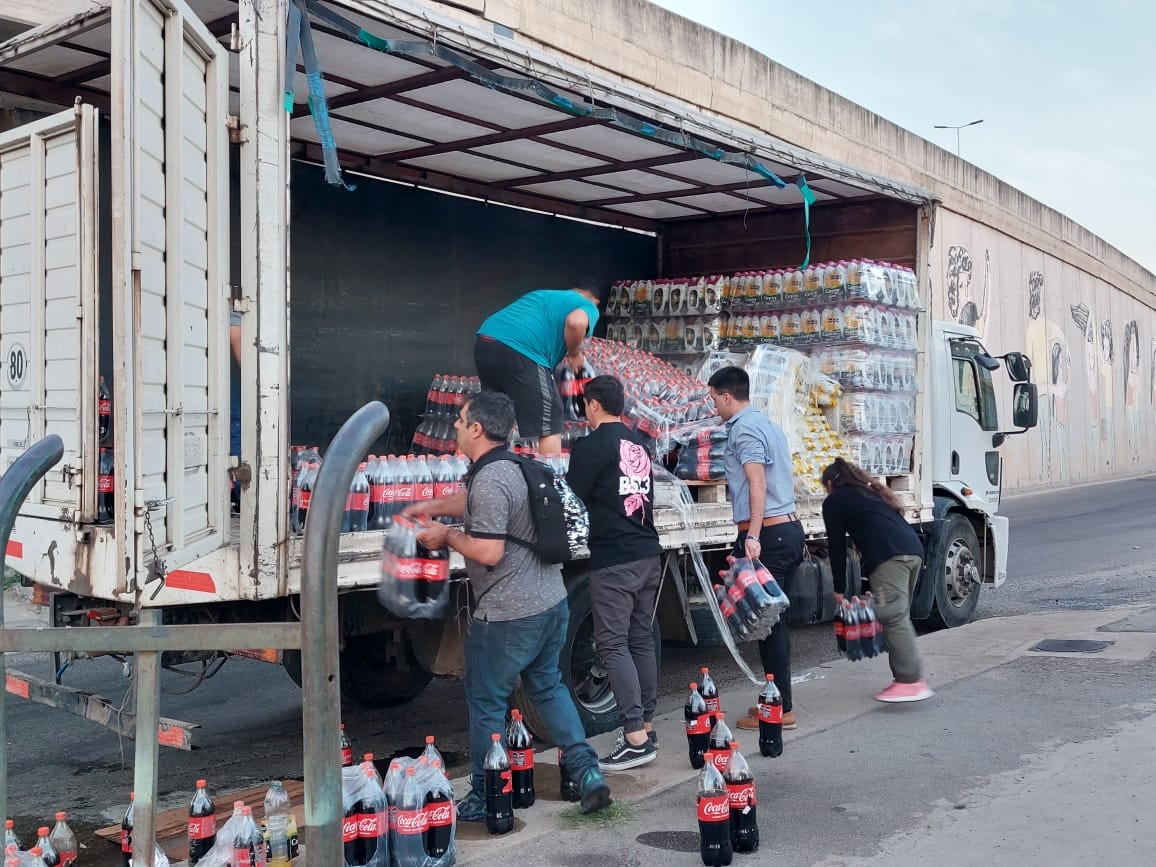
[1090, 547]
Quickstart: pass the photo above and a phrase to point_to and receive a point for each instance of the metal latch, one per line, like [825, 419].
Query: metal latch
[237, 133]
[242, 473]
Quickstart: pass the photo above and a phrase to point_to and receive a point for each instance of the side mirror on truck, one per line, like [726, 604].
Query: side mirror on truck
[1019, 367]
[1025, 405]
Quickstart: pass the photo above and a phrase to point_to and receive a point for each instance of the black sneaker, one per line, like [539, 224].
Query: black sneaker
[625, 755]
[595, 791]
[653, 735]
[471, 808]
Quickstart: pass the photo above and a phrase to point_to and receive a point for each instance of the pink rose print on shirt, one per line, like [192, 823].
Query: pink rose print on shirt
[634, 484]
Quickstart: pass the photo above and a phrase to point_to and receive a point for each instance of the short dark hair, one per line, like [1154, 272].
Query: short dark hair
[607, 390]
[733, 381]
[494, 411]
[589, 284]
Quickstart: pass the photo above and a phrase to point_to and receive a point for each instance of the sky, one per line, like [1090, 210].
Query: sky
[1067, 95]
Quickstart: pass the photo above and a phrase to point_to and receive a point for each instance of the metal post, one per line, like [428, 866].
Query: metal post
[146, 679]
[321, 632]
[24, 474]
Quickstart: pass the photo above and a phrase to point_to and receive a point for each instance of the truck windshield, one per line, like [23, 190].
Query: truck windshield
[974, 391]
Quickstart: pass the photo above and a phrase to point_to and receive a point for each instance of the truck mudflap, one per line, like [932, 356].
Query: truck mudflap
[999, 529]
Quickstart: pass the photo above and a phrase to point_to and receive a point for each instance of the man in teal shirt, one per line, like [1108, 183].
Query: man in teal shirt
[519, 346]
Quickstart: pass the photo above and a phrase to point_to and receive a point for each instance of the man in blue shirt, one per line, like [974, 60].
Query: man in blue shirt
[519, 346]
[761, 485]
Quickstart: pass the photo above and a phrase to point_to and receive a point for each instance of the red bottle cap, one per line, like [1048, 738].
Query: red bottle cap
[61, 816]
[201, 784]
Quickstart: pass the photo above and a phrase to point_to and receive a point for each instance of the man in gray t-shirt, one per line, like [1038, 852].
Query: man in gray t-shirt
[521, 615]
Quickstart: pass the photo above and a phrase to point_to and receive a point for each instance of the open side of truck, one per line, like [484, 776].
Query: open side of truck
[133, 250]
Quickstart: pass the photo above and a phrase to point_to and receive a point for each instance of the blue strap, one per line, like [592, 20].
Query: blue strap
[808, 200]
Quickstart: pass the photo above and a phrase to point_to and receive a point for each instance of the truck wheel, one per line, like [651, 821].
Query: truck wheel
[582, 671]
[370, 676]
[955, 567]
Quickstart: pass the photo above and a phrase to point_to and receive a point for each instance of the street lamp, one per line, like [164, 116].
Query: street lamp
[957, 128]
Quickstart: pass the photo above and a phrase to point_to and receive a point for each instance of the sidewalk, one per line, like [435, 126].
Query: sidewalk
[835, 695]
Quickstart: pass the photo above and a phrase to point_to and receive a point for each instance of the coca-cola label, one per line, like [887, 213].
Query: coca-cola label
[714, 808]
[507, 782]
[840, 629]
[349, 828]
[411, 822]
[404, 493]
[67, 857]
[370, 825]
[435, 570]
[346, 756]
[306, 496]
[771, 713]
[521, 760]
[728, 610]
[202, 827]
[104, 407]
[741, 795]
[713, 705]
[853, 631]
[721, 759]
[359, 501]
[402, 568]
[126, 840]
[104, 484]
[699, 725]
[735, 592]
[349, 501]
[439, 814]
[445, 489]
[425, 491]
[389, 492]
[377, 494]
[243, 856]
[745, 579]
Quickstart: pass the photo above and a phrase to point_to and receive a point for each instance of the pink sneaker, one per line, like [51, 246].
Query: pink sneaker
[901, 692]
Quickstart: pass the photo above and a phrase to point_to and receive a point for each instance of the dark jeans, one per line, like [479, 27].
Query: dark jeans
[782, 553]
[496, 653]
[622, 598]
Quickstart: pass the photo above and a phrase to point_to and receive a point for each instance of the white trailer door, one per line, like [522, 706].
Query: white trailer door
[175, 144]
[48, 309]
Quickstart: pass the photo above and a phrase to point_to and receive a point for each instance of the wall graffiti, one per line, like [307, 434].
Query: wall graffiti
[1047, 348]
[1132, 388]
[965, 307]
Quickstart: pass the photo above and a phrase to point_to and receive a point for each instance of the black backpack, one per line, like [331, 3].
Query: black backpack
[561, 523]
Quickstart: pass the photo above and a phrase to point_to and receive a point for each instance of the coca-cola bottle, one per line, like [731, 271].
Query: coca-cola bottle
[346, 749]
[423, 481]
[740, 782]
[202, 824]
[35, 858]
[104, 412]
[372, 468]
[369, 763]
[840, 631]
[851, 629]
[405, 484]
[10, 838]
[710, 695]
[248, 842]
[499, 788]
[753, 592]
[730, 614]
[568, 390]
[412, 823]
[720, 742]
[350, 835]
[771, 586]
[697, 726]
[435, 572]
[568, 788]
[63, 840]
[390, 474]
[880, 638]
[379, 476]
[432, 396]
[126, 831]
[373, 822]
[431, 753]
[867, 624]
[357, 503]
[770, 705]
[742, 608]
[714, 818]
[105, 489]
[520, 749]
[439, 814]
[47, 850]
[394, 781]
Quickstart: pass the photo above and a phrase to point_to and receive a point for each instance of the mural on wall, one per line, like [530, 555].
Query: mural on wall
[1107, 393]
[1132, 388]
[1047, 348]
[1097, 340]
[962, 303]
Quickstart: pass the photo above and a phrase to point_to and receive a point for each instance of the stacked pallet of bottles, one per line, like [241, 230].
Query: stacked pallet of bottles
[436, 435]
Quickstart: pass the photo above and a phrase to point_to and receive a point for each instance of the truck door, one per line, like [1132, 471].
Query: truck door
[974, 460]
[172, 301]
[48, 309]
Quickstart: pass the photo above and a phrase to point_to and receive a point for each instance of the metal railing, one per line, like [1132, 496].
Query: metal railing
[318, 637]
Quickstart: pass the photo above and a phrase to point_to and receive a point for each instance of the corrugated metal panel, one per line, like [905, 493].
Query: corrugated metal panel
[47, 303]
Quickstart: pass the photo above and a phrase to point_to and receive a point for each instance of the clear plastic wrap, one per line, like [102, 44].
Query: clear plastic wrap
[414, 579]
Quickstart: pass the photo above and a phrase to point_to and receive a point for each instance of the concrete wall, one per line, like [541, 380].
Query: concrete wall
[1093, 351]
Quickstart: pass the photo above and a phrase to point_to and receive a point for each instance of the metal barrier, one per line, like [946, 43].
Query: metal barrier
[318, 636]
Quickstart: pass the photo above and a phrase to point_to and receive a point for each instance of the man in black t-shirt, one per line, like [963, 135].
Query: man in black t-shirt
[610, 471]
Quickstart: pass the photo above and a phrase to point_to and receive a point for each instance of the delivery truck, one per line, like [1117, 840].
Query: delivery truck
[357, 185]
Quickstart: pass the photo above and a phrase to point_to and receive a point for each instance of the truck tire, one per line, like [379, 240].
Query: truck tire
[370, 677]
[582, 671]
[954, 567]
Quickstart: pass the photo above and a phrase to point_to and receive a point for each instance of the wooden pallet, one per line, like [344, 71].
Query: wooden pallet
[172, 825]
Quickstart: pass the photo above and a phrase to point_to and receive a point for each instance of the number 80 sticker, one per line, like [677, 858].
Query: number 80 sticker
[15, 366]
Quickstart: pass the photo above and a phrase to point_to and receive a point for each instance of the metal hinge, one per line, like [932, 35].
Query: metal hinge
[237, 130]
